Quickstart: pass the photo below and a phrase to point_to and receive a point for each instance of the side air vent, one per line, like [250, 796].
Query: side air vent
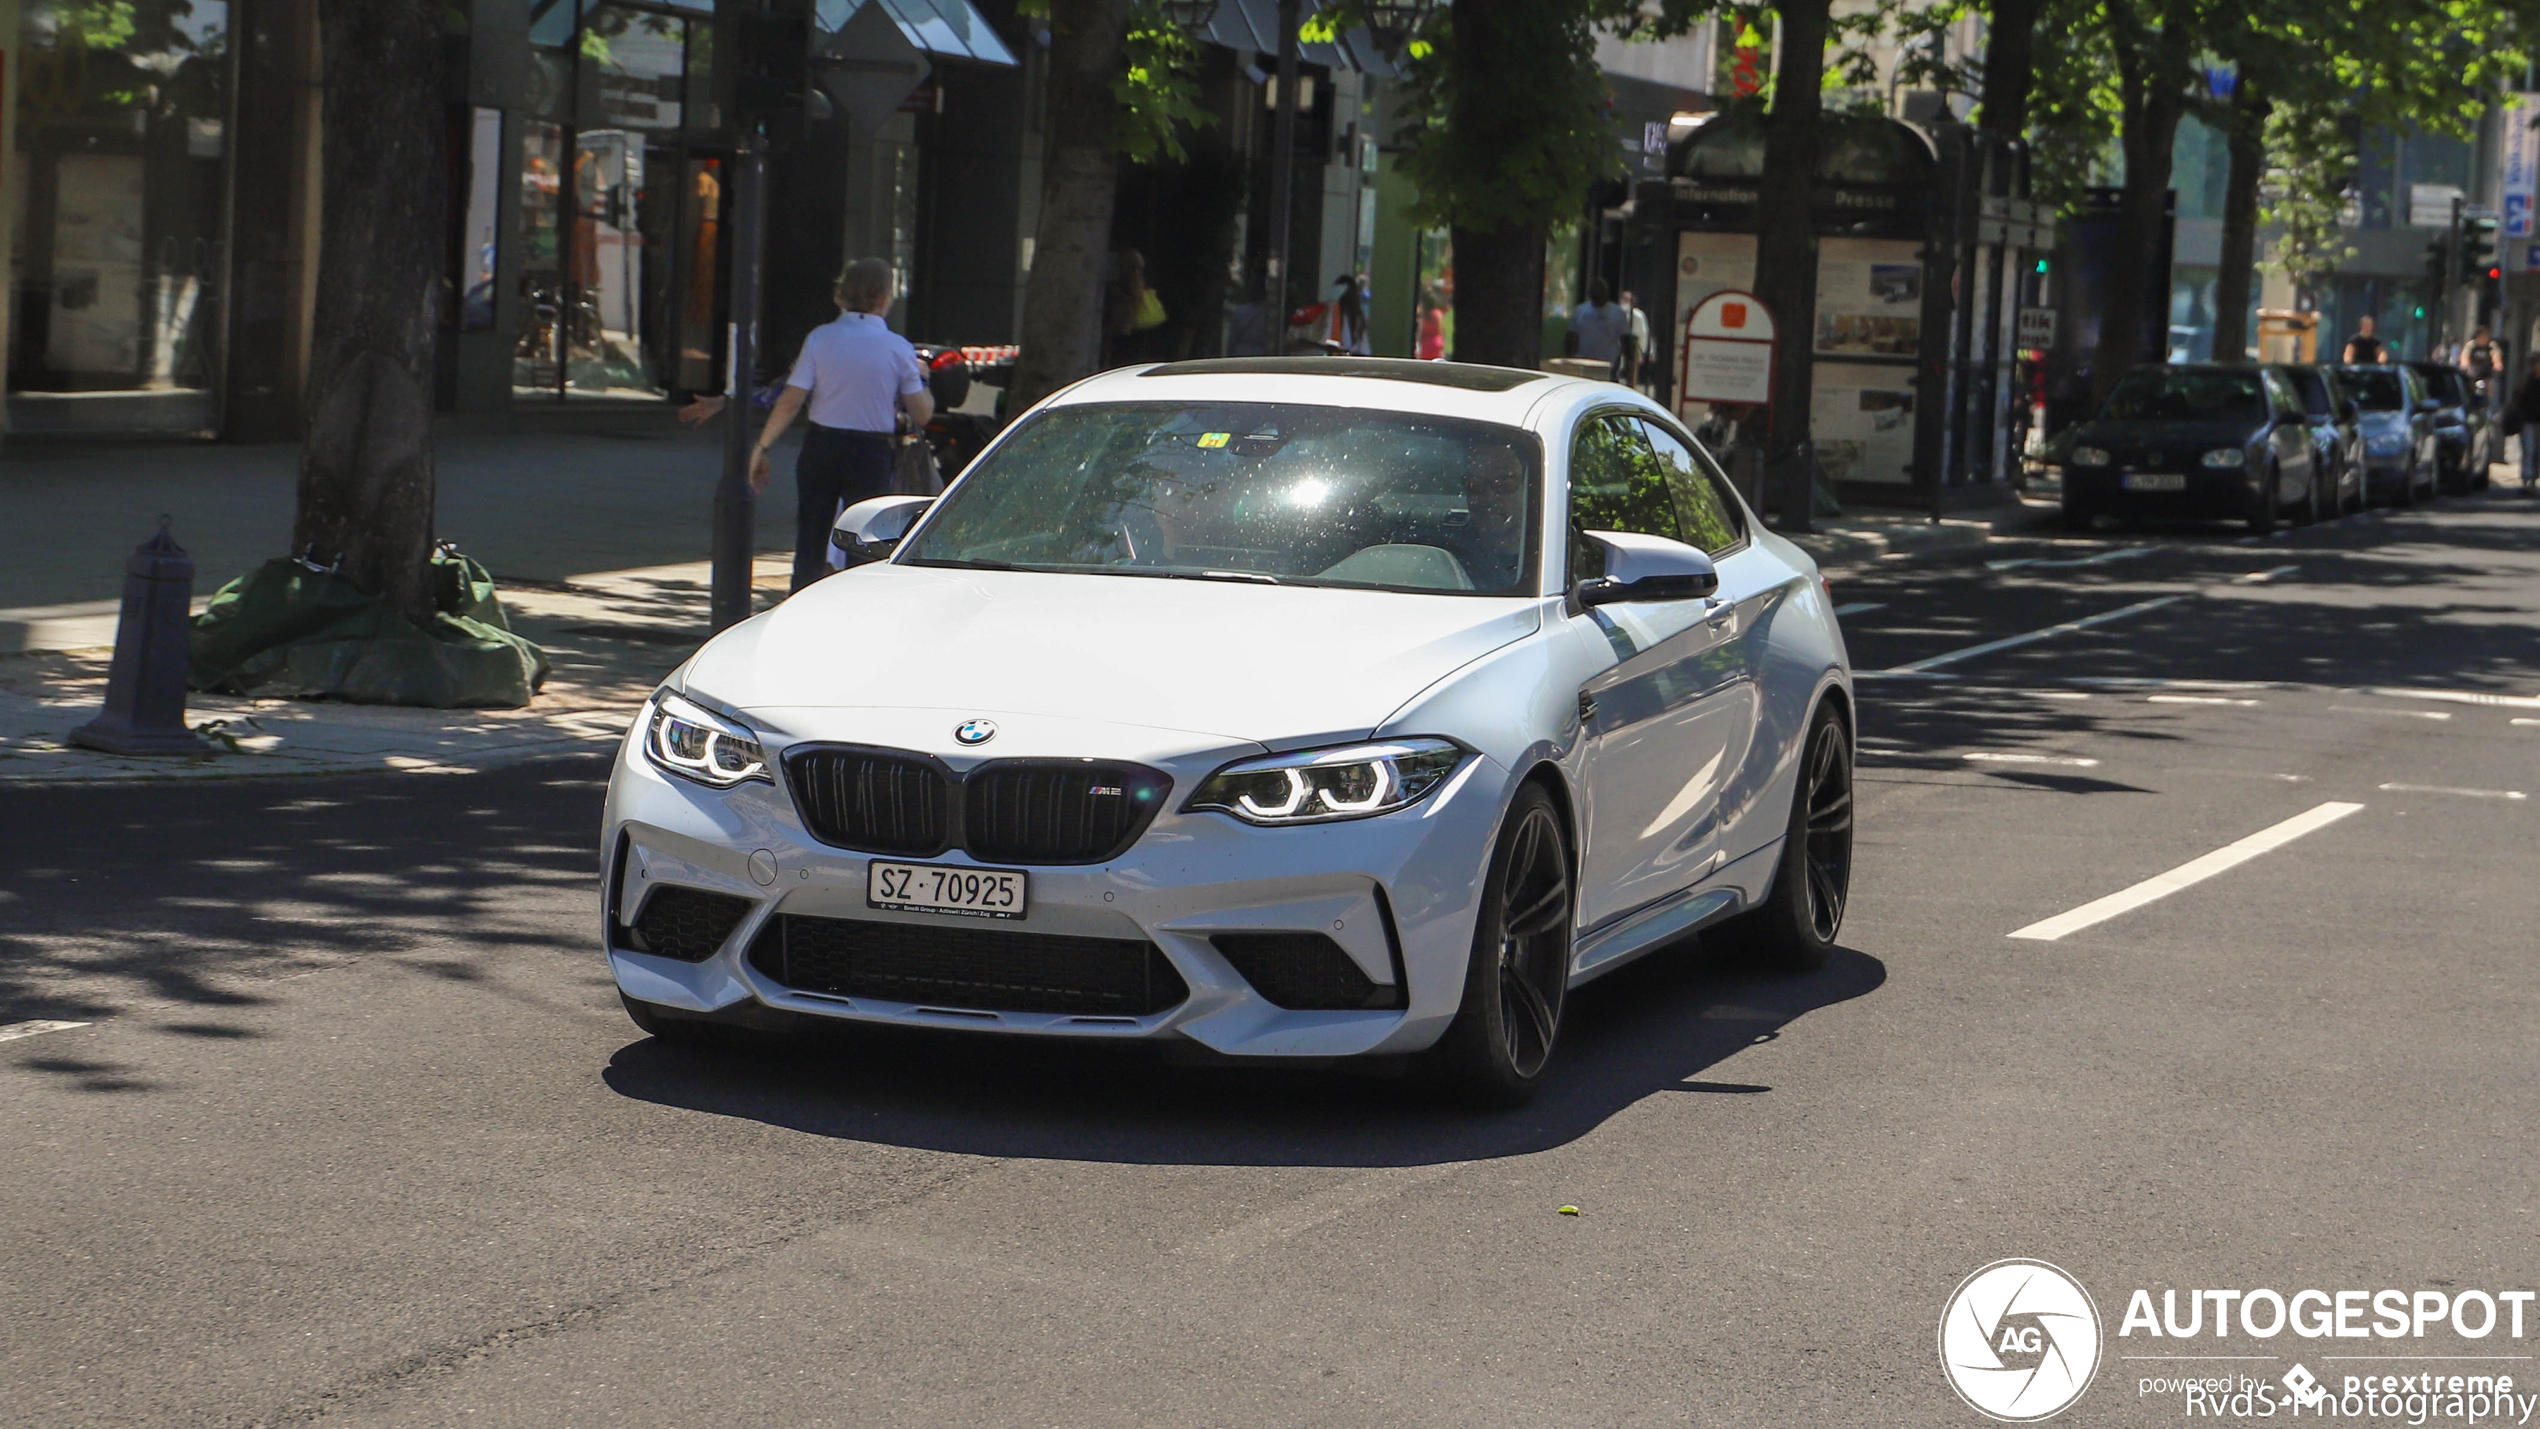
[685, 923]
[1304, 972]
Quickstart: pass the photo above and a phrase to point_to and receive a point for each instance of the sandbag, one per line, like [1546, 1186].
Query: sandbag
[288, 631]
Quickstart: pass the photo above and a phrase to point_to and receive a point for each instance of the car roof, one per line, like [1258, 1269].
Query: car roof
[1505, 395]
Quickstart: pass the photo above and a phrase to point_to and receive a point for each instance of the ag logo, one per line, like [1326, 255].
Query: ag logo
[975, 731]
[2019, 1341]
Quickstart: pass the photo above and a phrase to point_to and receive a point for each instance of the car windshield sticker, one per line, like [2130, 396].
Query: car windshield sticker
[1214, 439]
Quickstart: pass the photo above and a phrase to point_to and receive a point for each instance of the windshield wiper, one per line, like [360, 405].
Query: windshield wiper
[1246, 577]
[968, 563]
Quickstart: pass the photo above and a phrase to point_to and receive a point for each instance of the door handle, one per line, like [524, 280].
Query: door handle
[1719, 611]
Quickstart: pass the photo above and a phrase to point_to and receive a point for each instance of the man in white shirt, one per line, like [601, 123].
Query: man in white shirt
[856, 376]
[1599, 325]
[1636, 343]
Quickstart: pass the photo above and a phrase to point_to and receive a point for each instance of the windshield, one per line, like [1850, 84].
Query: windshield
[2374, 390]
[2313, 389]
[2186, 394]
[1295, 495]
[2443, 385]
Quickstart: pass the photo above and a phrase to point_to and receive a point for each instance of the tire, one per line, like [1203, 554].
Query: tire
[2407, 486]
[2309, 512]
[1518, 977]
[1795, 927]
[2262, 512]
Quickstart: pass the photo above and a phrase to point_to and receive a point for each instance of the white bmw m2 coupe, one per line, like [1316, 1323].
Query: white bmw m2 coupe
[1318, 707]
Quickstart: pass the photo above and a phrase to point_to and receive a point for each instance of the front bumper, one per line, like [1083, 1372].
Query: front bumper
[2209, 493]
[1398, 893]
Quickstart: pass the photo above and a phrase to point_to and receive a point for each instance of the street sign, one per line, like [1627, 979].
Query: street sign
[2037, 327]
[2518, 170]
[1728, 351]
[2430, 205]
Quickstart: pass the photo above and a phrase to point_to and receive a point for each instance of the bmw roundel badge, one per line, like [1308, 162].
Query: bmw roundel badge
[975, 731]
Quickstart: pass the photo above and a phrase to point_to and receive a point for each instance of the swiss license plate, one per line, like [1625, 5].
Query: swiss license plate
[2155, 481]
[942, 888]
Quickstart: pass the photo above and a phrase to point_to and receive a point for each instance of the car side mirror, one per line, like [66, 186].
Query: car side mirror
[2347, 411]
[1639, 567]
[870, 530]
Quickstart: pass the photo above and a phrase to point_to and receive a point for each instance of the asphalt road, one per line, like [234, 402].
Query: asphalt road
[356, 1133]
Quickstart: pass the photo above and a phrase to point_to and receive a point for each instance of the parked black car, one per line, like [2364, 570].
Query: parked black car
[2400, 456]
[2465, 436]
[2337, 435]
[2194, 441]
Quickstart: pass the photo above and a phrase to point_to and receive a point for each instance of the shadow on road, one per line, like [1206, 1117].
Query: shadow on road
[1651, 1028]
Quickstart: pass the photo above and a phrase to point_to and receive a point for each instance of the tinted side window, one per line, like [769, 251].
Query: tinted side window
[1708, 516]
[1617, 482]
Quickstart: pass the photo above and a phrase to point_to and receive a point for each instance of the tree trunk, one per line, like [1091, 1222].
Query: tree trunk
[366, 473]
[1080, 174]
[2008, 56]
[1786, 236]
[2240, 224]
[2154, 102]
[1499, 294]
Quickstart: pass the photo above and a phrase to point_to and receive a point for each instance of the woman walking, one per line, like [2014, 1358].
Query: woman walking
[2522, 419]
[856, 376]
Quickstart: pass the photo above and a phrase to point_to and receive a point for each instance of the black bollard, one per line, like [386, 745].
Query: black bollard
[145, 686]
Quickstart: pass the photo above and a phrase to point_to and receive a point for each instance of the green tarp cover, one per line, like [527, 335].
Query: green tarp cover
[286, 631]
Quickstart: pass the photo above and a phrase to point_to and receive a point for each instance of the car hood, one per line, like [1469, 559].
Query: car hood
[2130, 436]
[2382, 423]
[1278, 666]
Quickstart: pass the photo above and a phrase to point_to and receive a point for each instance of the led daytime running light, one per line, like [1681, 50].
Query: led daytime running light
[694, 744]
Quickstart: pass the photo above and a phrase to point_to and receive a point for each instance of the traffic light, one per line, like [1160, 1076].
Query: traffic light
[2478, 246]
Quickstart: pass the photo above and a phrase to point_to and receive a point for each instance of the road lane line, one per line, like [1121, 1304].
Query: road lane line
[2463, 697]
[1860, 607]
[2449, 789]
[2262, 577]
[15, 1030]
[2188, 874]
[1989, 757]
[2009, 642]
[2048, 562]
[2527, 721]
[2403, 714]
[2197, 700]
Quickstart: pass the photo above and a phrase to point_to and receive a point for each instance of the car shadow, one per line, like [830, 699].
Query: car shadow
[1651, 1028]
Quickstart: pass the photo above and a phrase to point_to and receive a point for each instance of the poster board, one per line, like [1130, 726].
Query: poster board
[1727, 352]
[1862, 421]
[1869, 297]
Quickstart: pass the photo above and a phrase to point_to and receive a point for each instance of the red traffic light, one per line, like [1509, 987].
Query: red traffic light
[2494, 273]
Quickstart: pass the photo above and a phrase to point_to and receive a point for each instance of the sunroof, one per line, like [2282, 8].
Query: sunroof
[1472, 377]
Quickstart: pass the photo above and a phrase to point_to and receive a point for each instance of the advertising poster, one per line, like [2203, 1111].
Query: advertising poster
[1869, 296]
[1707, 263]
[2517, 156]
[1862, 421]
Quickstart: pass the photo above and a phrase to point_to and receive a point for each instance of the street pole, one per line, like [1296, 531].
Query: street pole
[1282, 173]
[735, 505]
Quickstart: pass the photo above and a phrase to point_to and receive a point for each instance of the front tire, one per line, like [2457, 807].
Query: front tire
[2262, 509]
[1518, 977]
[1794, 928]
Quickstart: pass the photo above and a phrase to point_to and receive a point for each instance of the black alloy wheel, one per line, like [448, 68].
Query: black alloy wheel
[1519, 975]
[1794, 928]
[2312, 508]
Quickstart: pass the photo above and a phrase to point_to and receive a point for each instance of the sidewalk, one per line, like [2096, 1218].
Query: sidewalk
[591, 522]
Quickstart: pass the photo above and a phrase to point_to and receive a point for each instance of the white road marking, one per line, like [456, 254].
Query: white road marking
[15, 1030]
[1860, 606]
[2463, 697]
[2403, 714]
[2196, 700]
[2054, 694]
[2043, 562]
[1990, 757]
[2142, 682]
[2448, 789]
[2009, 642]
[2527, 721]
[2262, 577]
[2187, 874]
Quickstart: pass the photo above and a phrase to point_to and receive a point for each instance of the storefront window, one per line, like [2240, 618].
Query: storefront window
[538, 358]
[116, 263]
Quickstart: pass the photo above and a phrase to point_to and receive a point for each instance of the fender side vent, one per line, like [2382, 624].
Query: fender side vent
[1305, 972]
[685, 923]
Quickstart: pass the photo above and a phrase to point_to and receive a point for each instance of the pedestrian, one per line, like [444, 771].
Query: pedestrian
[1345, 329]
[1636, 341]
[1598, 326]
[2522, 419]
[2482, 360]
[856, 376]
[2363, 347]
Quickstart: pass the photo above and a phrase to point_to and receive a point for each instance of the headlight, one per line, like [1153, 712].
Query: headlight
[1319, 786]
[2089, 456]
[699, 744]
[2227, 456]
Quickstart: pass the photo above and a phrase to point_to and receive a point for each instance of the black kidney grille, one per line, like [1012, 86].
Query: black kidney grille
[1057, 811]
[1304, 972]
[967, 968]
[872, 800]
[686, 923]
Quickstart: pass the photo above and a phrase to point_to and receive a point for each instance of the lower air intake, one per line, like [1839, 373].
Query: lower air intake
[967, 967]
[1304, 972]
[686, 923]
